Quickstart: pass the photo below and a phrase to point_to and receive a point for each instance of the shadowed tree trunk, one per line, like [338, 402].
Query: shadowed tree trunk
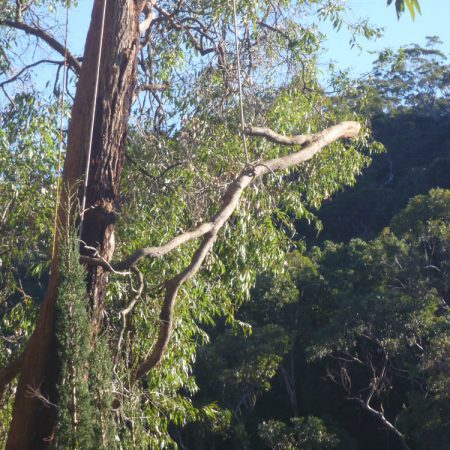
[34, 408]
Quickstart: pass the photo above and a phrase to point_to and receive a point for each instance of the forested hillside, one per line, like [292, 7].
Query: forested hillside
[410, 115]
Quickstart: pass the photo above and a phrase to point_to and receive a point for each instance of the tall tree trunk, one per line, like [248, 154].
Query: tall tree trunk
[34, 411]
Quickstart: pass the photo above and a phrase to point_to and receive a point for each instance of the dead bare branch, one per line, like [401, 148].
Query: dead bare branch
[230, 200]
[210, 230]
[35, 392]
[276, 138]
[382, 418]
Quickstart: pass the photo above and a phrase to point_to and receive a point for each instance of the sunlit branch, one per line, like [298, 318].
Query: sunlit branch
[276, 138]
[210, 230]
[312, 145]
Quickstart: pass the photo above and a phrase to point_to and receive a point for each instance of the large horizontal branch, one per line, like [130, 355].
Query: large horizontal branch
[153, 252]
[72, 61]
[210, 230]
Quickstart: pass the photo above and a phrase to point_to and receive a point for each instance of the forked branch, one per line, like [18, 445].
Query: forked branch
[210, 230]
[313, 144]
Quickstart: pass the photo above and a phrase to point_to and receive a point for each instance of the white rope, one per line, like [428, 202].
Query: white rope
[91, 130]
[238, 75]
[60, 144]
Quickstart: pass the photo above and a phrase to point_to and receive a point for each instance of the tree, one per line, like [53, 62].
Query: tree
[413, 78]
[383, 318]
[372, 317]
[190, 126]
[39, 368]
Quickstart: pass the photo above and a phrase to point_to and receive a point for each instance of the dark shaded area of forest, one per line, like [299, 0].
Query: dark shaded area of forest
[416, 160]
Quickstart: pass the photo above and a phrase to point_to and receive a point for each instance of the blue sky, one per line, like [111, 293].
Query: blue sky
[434, 21]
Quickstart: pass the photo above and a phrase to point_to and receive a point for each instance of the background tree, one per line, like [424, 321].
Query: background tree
[372, 319]
[390, 319]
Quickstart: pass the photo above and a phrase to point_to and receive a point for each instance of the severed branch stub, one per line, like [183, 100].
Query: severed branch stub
[310, 146]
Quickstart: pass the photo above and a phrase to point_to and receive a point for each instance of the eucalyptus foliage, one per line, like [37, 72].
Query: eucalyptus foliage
[412, 5]
[27, 186]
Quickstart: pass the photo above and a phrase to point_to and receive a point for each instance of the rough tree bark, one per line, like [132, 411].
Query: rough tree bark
[33, 419]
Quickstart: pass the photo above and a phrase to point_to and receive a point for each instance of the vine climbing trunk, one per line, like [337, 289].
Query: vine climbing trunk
[35, 403]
